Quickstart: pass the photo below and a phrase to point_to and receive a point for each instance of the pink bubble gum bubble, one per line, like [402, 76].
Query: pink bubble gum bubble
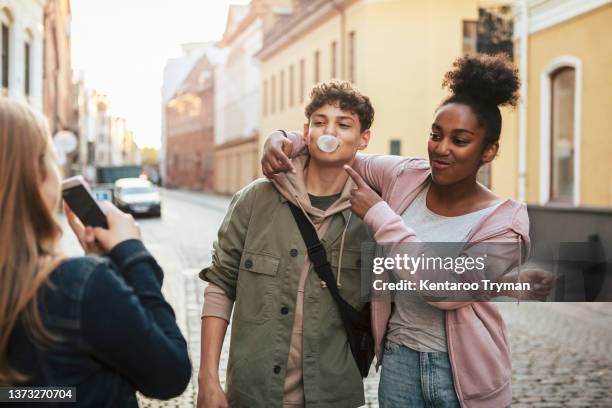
[328, 143]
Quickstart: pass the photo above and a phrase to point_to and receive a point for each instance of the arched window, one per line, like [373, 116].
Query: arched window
[560, 128]
[562, 151]
[6, 20]
[27, 66]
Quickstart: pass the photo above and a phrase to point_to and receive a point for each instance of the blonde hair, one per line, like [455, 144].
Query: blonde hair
[29, 232]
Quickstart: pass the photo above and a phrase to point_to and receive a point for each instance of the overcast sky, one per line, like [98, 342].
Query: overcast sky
[122, 47]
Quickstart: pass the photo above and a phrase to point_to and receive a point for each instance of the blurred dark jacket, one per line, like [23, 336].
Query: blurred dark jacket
[117, 333]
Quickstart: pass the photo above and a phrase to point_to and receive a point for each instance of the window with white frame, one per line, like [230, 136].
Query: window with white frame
[291, 86]
[265, 98]
[317, 66]
[560, 130]
[281, 86]
[334, 58]
[302, 80]
[351, 57]
[395, 147]
[27, 66]
[5, 52]
[273, 94]
[470, 35]
[562, 103]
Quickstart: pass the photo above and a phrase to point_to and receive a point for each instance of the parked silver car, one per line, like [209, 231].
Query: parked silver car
[137, 196]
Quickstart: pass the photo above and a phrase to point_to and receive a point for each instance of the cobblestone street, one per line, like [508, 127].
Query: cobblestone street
[562, 353]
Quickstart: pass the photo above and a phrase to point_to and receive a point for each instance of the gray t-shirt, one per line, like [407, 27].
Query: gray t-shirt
[415, 323]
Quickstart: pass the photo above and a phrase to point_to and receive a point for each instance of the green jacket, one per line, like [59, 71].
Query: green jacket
[257, 261]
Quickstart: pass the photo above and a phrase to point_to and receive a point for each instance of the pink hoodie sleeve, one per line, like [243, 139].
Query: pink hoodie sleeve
[377, 170]
[387, 225]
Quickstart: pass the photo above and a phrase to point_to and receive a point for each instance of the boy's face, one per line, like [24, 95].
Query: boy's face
[344, 125]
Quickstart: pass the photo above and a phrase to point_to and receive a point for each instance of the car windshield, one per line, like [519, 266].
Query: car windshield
[137, 190]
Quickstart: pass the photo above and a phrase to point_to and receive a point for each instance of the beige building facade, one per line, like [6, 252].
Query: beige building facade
[568, 61]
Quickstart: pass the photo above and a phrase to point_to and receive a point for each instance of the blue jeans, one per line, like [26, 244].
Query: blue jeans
[414, 379]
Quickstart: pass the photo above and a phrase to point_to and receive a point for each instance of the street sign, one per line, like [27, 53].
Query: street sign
[103, 194]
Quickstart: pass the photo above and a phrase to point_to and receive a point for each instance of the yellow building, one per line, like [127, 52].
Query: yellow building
[566, 64]
[553, 148]
[395, 51]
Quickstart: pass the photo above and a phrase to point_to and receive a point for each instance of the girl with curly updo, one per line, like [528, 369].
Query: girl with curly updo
[443, 353]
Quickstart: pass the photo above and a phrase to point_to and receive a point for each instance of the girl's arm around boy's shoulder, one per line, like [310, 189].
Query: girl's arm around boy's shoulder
[379, 171]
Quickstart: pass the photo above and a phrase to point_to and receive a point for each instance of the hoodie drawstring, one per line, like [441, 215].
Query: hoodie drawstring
[338, 282]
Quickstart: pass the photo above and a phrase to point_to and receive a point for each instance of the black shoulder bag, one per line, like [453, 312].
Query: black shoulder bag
[356, 322]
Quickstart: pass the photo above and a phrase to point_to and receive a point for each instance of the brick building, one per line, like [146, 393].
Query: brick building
[190, 128]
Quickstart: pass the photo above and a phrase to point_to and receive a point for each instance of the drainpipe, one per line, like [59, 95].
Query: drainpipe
[340, 9]
[522, 142]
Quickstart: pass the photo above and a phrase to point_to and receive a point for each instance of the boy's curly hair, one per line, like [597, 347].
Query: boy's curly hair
[343, 95]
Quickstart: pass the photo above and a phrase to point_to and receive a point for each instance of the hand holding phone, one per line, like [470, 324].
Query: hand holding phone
[98, 241]
[82, 202]
[98, 228]
[84, 234]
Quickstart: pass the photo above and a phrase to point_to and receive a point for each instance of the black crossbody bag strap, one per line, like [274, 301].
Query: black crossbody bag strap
[317, 254]
[356, 324]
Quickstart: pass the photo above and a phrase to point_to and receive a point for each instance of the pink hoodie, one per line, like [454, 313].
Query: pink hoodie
[476, 334]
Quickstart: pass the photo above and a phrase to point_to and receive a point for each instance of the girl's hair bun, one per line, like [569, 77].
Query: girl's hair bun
[485, 79]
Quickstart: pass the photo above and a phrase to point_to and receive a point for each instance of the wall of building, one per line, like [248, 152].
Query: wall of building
[404, 79]
[57, 87]
[190, 130]
[175, 71]
[238, 82]
[504, 169]
[25, 18]
[581, 37]
[236, 165]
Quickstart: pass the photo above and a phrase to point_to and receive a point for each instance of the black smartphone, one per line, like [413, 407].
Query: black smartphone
[82, 202]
